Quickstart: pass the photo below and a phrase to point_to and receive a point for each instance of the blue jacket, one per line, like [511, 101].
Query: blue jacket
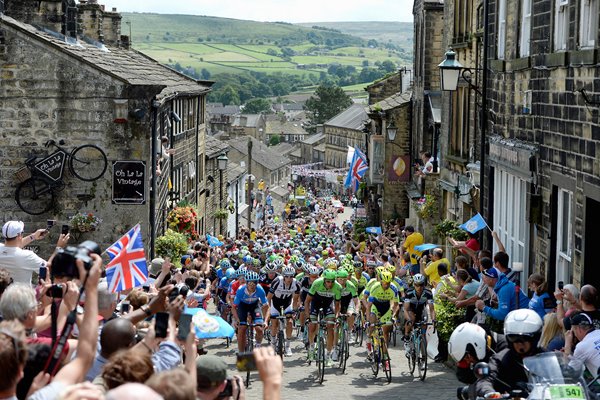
[507, 299]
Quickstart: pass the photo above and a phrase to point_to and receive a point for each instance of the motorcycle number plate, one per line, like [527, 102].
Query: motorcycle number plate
[566, 392]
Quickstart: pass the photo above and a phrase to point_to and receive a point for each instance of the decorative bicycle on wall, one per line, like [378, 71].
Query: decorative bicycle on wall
[41, 179]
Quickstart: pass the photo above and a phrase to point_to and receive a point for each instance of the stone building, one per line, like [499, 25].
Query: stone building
[308, 148]
[216, 187]
[221, 117]
[286, 130]
[67, 73]
[250, 125]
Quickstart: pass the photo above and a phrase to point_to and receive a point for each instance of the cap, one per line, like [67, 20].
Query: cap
[12, 229]
[491, 273]
[581, 319]
[210, 371]
[156, 266]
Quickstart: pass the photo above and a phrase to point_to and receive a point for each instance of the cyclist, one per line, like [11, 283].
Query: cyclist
[312, 274]
[414, 306]
[269, 273]
[323, 293]
[223, 290]
[383, 304]
[348, 306]
[284, 294]
[359, 280]
[250, 300]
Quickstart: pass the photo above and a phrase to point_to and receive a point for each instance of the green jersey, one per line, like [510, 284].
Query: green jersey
[349, 290]
[318, 289]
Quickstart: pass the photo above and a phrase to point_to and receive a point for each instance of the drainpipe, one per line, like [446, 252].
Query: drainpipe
[154, 148]
[484, 119]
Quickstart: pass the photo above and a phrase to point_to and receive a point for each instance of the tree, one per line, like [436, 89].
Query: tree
[205, 74]
[274, 140]
[327, 102]
[257, 106]
[229, 96]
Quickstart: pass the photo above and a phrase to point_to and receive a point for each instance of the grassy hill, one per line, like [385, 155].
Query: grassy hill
[206, 47]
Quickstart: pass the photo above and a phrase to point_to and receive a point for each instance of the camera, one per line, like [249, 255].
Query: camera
[227, 391]
[55, 291]
[63, 264]
[183, 290]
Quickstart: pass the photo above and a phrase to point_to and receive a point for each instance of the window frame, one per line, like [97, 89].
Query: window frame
[501, 39]
[561, 25]
[525, 32]
[588, 25]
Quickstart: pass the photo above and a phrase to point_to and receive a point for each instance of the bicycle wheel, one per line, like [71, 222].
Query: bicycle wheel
[410, 355]
[386, 363]
[35, 196]
[321, 358]
[280, 340]
[422, 358]
[343, 343]
[249, 347]
[359, 330]
[88, 162]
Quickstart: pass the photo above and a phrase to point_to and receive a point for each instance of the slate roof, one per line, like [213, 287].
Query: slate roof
[394, 101]
[353, 117]
[321, 147]
[286, 127]
[312, 139]
[127, 65]
[234, 171]
[224, 110]
[284, 148]
[215, 147]
[261, 153]
[247, 120]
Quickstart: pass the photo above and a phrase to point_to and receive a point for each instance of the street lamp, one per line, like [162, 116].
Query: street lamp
[391, 130]
[222, 161]
[450, 71]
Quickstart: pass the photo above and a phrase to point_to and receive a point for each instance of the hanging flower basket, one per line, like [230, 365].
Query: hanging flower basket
[426, 207]
[81, 222]
[221, 213]
[183, 219]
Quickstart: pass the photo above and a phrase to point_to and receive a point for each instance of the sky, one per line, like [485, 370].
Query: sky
[276, 10]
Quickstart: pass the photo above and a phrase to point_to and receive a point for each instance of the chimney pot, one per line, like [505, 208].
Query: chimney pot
[114, 9]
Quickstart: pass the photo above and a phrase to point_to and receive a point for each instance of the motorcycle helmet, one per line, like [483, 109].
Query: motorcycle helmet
[467, 338]
[523, 325]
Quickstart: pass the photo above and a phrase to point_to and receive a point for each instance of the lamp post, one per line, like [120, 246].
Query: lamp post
[391, 130]
[222, 165]
[294, 177]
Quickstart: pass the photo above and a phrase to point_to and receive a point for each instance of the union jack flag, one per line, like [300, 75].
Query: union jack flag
[358, 167]
[127, 268]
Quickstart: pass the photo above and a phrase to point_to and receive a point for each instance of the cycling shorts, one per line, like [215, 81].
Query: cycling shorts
[253, 310]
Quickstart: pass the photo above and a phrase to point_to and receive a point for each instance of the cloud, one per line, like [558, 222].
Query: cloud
[276, 10]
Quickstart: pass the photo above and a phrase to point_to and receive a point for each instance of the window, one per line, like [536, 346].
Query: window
[588, 26]
[561, 24]
[525, 28]
[564, 243]
[510, 221]
[459, 136]
[501, 29]
[462, 20]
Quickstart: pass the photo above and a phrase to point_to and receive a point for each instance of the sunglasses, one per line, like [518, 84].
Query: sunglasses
[518, 338]
[329, 280]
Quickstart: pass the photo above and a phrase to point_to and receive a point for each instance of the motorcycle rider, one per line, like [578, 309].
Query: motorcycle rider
[522, 330]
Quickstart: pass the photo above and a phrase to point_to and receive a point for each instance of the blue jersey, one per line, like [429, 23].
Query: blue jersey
[242, 296]
[224, 284]
[221, 273]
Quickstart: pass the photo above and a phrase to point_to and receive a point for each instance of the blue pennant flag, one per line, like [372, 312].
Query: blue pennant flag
[426, 246]
[475, 224]
[375, 230]
[213, 241]
[209, 326]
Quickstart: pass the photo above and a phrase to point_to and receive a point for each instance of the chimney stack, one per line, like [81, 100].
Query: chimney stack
[111, 27]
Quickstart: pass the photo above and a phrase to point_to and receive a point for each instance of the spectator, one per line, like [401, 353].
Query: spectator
[508, 299]
[461, 262]
[211, 379]
[588, 300]
[18, 262]
[431, 270]
[13, 353]
[501, 264]
[411, 240]
[173, 385]
[132, 391]
[427, 164]
[566, 302]
[5, 280]
[552, 338]
[137, 298]
[116, 335]
[468, 288]
[126, 366]
[540, 302]
[587, 351]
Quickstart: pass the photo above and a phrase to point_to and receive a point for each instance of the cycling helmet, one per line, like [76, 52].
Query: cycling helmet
[312, 260]
[277, 263]
[342, 273]
[391, 269]
[288, 271]
[523, 325]
[252, 276]
[358, 265]
[230, 273]
[467, 338]
[386, 276]
[329, 274]
[296, 252]
[247, 259]
[313, 271]
[419, 279]
[256, 262]
[225, 263]
[242, 272]
[270, 267]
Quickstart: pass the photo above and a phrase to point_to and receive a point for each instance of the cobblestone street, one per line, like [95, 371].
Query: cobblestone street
[357, 383]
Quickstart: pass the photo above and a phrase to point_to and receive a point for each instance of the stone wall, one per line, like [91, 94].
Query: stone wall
[44, 95]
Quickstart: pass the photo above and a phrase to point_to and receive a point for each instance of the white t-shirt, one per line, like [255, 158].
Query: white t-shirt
[428, 167]
[20, 263]
[588, 352]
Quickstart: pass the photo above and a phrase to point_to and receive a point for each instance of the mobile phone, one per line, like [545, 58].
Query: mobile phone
[162, 322]
[50, 223]
[146, 288]
[184, 326]
[561, 284]
[124, 307]
[228, 391]
[43, 273]
[55, 291]
[245, 362]
[65, 229]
